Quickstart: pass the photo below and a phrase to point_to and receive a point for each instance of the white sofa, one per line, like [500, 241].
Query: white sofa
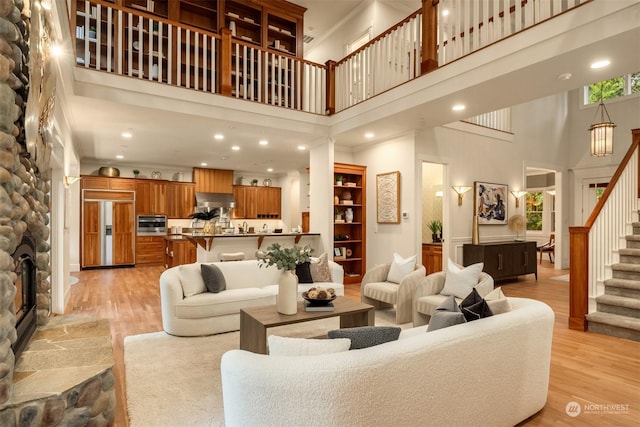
[489, 372]
[247, 285]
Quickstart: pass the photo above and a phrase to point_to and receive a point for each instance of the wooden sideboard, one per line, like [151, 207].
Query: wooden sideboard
[432, 257]
[503, 260]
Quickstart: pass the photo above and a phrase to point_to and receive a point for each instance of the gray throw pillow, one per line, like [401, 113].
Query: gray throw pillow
[213, 278]
[367, 336]
[447, 314]
[474, 307]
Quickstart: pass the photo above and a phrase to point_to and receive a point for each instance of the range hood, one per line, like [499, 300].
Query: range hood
[215, 200]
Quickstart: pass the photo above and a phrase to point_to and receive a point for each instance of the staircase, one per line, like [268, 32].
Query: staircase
[618, 310]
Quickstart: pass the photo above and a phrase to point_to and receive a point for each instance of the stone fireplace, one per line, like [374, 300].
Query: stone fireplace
[53, 370]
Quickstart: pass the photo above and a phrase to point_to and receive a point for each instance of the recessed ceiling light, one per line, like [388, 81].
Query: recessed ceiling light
[458, 107]
[264, 142]
[203, 164]
[235, 148]
[218, 136]
[127, 134]
[565, 76]
[369, 135]
[600, 64]
[119, 157]
[270, 170]
[301, 147]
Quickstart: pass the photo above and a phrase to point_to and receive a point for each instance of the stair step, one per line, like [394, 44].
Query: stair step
[622, 287]
[621, 305]
[614, 325]
[625, 270]
[633, 241]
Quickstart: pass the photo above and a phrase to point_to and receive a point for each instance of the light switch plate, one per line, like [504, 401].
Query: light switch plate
[405, 215]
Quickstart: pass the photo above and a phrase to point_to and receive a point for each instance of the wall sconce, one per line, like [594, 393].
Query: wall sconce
[68, 180]
[460, 189]
[517, 195]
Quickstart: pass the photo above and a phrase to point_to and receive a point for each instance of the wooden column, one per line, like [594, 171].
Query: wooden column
[225, 62]
[331, 87]
[578, 277]
[429, 36]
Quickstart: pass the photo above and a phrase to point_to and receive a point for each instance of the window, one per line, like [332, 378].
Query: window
[612, 88]
[359, 42]
[534, 211]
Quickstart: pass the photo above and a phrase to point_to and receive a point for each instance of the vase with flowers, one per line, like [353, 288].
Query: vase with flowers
[286, 259]
[207, 219]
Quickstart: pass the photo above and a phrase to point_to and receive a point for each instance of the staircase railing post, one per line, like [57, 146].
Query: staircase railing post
[225, 62]
[429, 36]
[578, 277]
[331, 87]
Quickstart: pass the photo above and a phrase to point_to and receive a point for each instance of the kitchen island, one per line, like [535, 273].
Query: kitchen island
[210, 246]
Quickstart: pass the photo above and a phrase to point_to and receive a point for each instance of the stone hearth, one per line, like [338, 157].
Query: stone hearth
[64, 376]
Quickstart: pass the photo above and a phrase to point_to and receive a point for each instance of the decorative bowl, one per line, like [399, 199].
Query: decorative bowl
[108, 171]
[313, 301]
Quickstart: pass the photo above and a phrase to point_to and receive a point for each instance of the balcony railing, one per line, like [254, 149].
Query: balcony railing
[136, 44]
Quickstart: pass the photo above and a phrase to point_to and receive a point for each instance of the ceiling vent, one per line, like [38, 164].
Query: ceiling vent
[308, 39]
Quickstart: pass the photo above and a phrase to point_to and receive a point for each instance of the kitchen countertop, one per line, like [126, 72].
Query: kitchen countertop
[206, 240]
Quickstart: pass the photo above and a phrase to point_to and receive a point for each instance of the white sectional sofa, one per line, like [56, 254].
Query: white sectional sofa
[205, 313]
[489, 372]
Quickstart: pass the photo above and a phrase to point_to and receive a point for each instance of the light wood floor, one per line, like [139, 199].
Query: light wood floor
[586, 368]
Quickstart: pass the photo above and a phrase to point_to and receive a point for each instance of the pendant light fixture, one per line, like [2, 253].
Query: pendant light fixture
[601, 132]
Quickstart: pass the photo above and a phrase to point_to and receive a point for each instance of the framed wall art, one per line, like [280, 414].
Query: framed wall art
[490, 203]
[388, 198]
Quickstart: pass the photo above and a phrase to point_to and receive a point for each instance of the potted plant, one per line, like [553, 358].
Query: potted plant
[286, 260]
[254, 182]
[207, 217]
[436, 230]
[339, 180]
[338, 214]
[136, 172]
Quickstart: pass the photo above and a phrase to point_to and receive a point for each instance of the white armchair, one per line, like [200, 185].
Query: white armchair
[427, 295]
[375, 290]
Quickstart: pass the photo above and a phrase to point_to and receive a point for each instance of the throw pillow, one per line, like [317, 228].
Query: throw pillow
[191, 280]
[367, 336]
[213, 278]
[320, 270]
[447, 314]
[459, 281]
[400, 267]
[498, 303]
[284, 346]
[474, 307]
[303, 271]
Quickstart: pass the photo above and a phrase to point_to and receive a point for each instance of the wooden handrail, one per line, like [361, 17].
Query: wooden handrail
[579, 248]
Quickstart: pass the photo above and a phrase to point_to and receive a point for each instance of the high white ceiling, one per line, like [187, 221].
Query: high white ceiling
[171, 131]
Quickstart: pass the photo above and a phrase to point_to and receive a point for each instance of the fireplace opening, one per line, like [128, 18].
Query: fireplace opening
[25, 299]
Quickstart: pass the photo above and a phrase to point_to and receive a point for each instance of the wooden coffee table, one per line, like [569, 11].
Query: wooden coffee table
[254, 321]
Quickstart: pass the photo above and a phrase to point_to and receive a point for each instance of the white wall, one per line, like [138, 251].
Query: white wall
[384, 239]
[378, 16]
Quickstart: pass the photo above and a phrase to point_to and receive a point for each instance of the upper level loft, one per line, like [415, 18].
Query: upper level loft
[252, 50]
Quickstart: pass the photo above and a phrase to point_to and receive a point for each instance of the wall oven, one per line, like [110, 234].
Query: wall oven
[152, 225]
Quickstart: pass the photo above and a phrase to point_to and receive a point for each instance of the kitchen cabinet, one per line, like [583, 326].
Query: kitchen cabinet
[213, 180]
[179, 252]
[151, 197]
[432, 257]
[503, 260]
[253, 202]
[180, 199]
[91, 234]
[107, 183]
[123, 232]
[150, 250]
[350, 237]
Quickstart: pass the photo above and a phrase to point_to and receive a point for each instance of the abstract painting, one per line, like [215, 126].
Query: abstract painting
[490, 203]
[388, 197]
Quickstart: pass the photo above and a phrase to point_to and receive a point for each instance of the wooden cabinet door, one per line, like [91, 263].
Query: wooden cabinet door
[95, 182]
[213, 180]
[143, 197]
[269, 202]
[238, 194]
[180, 199]
[251, 202]
[91, 234]
[158, 202]
[184, 252]
[123, 233]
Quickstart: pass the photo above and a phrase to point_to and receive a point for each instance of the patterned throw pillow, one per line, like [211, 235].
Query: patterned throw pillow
[320, 270]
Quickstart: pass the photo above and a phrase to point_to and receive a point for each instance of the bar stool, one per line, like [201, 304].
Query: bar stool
[231, 256]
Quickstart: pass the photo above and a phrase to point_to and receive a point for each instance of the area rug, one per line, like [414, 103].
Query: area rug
[563, 278]
[175, 381]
